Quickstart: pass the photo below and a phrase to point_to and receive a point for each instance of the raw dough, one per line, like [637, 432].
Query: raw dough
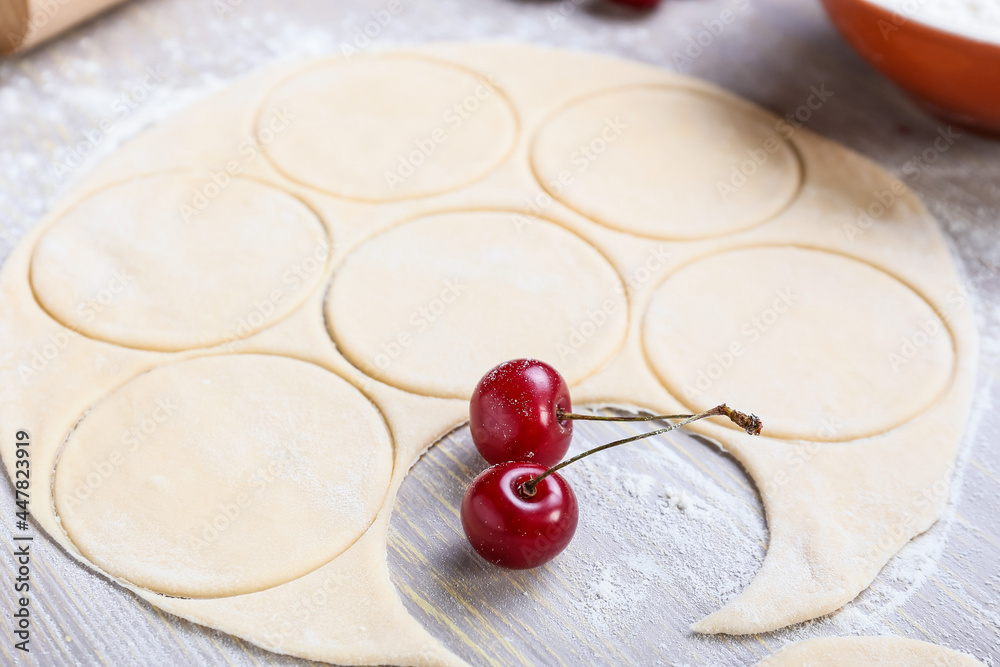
[867, 652]
[132, 266]
[252, 470]
[716, 168]
[716, 327]
[837, 511]
[461, 292]
[386, 128]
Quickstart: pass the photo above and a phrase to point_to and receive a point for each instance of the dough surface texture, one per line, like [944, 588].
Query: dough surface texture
[221, 452]
[867, 652]
[205, 341]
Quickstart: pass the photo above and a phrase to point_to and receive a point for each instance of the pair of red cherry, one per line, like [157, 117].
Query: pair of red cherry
[520, 513]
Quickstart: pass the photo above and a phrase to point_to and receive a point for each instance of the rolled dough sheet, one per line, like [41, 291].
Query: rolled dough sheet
[233, 339]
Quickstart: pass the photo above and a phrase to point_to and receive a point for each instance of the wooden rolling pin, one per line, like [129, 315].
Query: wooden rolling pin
[25, 23]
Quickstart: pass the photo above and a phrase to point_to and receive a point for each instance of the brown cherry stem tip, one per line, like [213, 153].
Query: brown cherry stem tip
[748, 422]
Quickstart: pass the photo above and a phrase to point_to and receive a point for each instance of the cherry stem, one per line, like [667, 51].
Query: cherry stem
[748, 422]
[560, 415]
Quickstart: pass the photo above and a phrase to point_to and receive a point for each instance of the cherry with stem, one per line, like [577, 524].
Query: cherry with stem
[748, 422]
[520, 513]
[521, 411]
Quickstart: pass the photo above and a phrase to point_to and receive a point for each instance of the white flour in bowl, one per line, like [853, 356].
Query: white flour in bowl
[978, 19]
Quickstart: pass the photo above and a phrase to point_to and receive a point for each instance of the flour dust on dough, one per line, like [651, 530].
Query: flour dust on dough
[867, 652]
[609, 267]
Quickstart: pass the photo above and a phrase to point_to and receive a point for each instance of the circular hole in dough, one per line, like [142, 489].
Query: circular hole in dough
[387, 128]
[224, 475]
[131, 265]
[822, 347]
[666, 163]
[430, 305]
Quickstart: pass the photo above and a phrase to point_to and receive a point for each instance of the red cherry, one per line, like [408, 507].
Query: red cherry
[514, 412]
[512, 529]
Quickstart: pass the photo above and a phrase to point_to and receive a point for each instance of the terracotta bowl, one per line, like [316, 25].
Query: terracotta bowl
[954, 77]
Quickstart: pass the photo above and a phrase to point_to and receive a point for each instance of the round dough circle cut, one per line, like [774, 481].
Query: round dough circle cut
[221, 476]
[431, 305]
[666, 163]
[179, 261]
[386, 128]
[822, 347]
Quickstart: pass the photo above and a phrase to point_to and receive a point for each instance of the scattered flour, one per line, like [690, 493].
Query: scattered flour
[669, 543]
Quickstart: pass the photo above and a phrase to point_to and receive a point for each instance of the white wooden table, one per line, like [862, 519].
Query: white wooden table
[670, 529]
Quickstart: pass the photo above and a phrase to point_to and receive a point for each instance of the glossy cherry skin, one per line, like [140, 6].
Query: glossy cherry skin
[514, 531]
[513, 413]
